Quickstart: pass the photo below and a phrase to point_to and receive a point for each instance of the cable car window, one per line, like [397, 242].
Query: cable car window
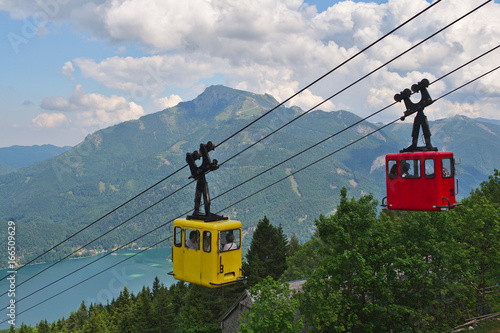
[392, 168]
[177, 236]
[207, 241]
[430, 171]
[229, 240]
[193, 242]
[448, 169]
[410, 168]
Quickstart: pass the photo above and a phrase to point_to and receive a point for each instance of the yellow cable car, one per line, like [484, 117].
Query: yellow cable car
[207, 247]
[207, 253]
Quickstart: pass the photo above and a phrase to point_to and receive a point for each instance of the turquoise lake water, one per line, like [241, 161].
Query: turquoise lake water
[134, 273]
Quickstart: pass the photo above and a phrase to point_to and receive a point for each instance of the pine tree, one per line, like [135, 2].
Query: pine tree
[163, 310]
[293, 245]
[267, 253]
[156, 286]
[143, 311]
[25, 329]
[123, 313]
[43, 327]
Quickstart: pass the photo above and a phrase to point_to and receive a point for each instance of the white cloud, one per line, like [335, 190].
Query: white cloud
[307, 100]
[68, 70]
[101, 116]
[95, 110]
[279, 47]
[50, 120]
[147, 75]
[167, 102]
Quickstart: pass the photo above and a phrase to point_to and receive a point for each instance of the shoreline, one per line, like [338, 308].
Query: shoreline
[93, 254]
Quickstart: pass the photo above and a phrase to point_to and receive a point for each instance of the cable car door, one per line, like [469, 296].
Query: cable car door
[229, 255]
[192, 256]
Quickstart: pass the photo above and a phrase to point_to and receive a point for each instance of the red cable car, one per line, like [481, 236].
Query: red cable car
[419, 178]
[420, 181]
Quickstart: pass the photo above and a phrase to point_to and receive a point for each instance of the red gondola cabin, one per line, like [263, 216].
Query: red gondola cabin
[420, 181]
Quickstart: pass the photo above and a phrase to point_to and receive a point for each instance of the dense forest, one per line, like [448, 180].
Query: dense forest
[366, 272]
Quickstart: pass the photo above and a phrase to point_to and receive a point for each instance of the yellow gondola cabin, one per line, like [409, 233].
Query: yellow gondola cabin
[207, 253]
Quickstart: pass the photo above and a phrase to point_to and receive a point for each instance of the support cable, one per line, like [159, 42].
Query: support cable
[351, 143]
[99, 219]
[95, 239]
[331, 71]
[358, 80]
[357, 123]
[90, 277]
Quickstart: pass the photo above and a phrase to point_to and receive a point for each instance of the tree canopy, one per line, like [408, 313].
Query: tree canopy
[274, 309]
[267, 253]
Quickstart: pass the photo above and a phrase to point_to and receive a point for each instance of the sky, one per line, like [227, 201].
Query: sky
[69, 68]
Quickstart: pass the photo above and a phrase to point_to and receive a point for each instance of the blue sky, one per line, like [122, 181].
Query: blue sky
[72, 67]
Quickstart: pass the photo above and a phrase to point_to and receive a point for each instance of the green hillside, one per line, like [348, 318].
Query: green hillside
[5, 169]
[52, 199]
[21, 156]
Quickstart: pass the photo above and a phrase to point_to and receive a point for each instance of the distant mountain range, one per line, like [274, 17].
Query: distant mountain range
[14, 157]
[490, 121]
[52, 199]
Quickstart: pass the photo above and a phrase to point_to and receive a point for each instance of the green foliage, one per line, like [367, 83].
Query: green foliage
[302, 262]
[490, 188]
[407, 271]
[479, 219]
[274, 309]
[180, 308]
[267, 253]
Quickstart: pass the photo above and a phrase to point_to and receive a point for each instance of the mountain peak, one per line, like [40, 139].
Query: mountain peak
[221, 103]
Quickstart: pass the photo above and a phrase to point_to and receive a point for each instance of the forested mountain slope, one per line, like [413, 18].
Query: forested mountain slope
[50, 200]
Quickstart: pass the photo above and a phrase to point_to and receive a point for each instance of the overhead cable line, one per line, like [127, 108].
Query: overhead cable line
[411, 48]
[358, 80]
[330, 71]
[102, 235]
[348, 127]
[90, 277]
[466, 64]
[351, 143]
[99, 219]
[465, 84]
[237, 132]
[261, 190]
[276, 182]
[104, 256]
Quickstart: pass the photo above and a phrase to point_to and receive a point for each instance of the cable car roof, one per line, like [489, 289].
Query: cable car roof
[216, 225]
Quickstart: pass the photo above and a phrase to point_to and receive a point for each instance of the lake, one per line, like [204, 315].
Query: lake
[134, 273]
